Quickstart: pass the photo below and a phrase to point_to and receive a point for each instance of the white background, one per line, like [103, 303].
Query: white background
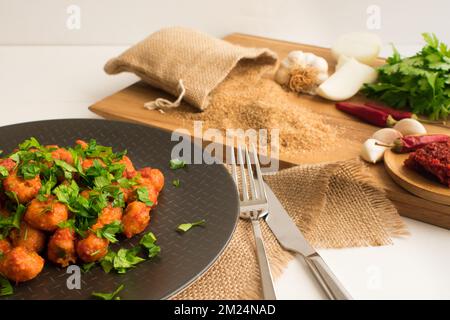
[49, 71]
[308, 21]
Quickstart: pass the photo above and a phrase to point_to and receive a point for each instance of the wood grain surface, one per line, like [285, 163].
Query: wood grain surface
[127, 105]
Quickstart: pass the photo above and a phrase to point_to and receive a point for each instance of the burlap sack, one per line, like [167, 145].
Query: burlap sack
[185, 63]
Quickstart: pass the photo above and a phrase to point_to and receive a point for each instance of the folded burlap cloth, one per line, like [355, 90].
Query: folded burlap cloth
[336, 205]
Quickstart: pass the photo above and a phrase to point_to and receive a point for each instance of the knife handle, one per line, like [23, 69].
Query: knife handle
[331, 285]
[264, 267]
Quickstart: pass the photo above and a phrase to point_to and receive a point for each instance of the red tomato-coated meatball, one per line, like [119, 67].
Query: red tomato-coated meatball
[155, 177]
[135, 219]
[21, 265]
[8, 163]
[129, 171]
[62, 154]
[5, 246]
[46, 215]
[28, 237]
[61, 247]
[152, 194]
[25, 189]
[92, 248]
[108, 215]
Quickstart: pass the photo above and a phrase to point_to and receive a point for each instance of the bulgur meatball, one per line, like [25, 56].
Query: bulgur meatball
[25, 189]
[62, 154]
[135, 219]
[154, 176]
[5, 246]
[92, 248]
[21, 265]
[108, 215]
[151, 191]
[129, 171]
[61, 247]
[8, 163]
[28, 237]
[46, 215]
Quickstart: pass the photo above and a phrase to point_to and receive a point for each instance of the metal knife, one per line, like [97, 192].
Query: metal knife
[291, 238]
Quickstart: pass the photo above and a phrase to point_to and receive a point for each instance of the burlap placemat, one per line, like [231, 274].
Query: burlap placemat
[336, 205]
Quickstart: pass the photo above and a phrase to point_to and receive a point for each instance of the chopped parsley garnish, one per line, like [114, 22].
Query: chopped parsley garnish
[148, 242]
[6, 288]
[3, 172]
[142, 195]
[109, 231]
[176, 183]
[87, 266]
[109, 296]
[184, 227]
[177, 164]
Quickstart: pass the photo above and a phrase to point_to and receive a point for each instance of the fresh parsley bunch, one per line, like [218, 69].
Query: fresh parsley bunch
[420, 82]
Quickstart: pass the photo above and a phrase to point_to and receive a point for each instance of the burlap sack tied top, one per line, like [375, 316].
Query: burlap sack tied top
[185, 63]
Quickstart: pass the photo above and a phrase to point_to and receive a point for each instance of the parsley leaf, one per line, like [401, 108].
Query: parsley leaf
[109, 296]
[107, 263]
[126, 259]
[176, 183]
[142, 195]
[30, 143]
[184, 227]
[3, 172]
[122, 260]
[87, 267]
[176, 164]
[148, 242]
[6, 288]
[109, 231]
[29, 170]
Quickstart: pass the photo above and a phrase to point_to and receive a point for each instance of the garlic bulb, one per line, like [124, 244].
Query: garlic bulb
[302, 72]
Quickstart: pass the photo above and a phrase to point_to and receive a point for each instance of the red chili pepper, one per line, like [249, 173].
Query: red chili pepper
[368, 114]
[412, 143]
[396, 114]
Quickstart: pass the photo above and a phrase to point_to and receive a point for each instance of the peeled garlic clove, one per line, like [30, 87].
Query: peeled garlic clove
[409, 127]
[387, 135]
[371, 151]
[362, 46]
[347, 81]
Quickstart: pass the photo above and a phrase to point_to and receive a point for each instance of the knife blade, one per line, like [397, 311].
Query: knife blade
[291, 238]
[284, 228]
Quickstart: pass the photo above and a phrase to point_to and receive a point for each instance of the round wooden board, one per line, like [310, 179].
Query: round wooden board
[413, 181]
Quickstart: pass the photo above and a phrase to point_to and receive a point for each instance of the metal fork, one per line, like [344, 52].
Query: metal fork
[254, 207]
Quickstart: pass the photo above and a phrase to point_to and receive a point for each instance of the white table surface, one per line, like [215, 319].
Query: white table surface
[61, 82]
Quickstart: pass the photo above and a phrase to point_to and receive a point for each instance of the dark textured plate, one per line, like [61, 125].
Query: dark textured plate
[206, 192]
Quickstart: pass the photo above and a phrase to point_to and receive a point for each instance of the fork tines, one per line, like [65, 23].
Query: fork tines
[256, 200]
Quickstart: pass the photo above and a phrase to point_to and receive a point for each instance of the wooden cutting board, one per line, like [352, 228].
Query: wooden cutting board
[127, 104]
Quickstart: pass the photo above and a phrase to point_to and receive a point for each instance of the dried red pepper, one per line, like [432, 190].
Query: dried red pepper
[370, 115]
[413, 143]
[396, 114]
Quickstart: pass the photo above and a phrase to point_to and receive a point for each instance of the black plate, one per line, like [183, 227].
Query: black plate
[206, 192]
